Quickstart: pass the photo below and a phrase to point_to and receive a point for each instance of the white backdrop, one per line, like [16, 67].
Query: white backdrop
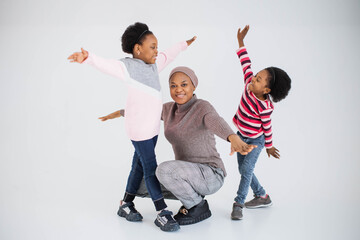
[62, 171]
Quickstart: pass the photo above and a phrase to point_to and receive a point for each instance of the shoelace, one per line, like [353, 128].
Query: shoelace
[167, 214]
[131, 206]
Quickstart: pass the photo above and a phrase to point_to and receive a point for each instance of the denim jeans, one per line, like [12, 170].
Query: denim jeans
[143, 166]
[246, 168]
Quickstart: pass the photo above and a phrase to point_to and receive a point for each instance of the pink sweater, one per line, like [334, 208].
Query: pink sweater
[144, 101]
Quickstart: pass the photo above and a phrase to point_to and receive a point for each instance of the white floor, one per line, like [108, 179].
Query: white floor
[81, 203]
[74, 220]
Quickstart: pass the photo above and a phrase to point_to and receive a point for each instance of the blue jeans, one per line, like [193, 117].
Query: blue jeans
[143, 166]
[246, 169]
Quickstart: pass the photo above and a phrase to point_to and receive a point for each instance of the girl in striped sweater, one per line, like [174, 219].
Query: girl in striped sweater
[253, 121]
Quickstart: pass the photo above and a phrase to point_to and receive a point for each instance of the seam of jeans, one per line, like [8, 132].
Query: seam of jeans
[130, 193]
[158, 199]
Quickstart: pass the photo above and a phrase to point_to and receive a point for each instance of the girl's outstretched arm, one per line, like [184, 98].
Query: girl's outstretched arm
[111, 116]
[166, 57]
[109, 66]
[243, 55]
[241, 35]
[79, 57]
[190, 41]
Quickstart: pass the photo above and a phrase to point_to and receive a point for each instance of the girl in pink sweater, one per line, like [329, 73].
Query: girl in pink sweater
[143, 109]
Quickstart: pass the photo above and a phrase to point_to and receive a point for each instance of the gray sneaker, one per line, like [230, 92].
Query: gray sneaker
[236, 213]
[129, 212]
[166, 222]
[259, 202]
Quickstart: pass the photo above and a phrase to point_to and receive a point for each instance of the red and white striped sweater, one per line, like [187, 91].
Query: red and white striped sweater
[252, 117]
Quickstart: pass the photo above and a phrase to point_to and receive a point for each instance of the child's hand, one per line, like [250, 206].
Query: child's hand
[241, 35]
[111, 116]
[237, 145]
[79, 56]
[273, 152]
[189, 42]
[104, 118]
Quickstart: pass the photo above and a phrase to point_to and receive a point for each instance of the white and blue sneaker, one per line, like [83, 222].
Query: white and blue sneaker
[129, 212]
[166, 222]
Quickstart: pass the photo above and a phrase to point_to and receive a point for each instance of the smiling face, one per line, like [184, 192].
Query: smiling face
[259, 84]
[147, 50]
[181, 88]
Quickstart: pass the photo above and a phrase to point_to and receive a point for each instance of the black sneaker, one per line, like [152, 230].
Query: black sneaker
[193, 215]
[166, 222]
[129, 212]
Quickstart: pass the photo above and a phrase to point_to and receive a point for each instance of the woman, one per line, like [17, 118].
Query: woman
[190, 124]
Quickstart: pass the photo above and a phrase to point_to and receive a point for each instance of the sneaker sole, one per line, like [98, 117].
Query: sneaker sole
[259, 206]
[172, 228]
[196, 220]
[236, 218]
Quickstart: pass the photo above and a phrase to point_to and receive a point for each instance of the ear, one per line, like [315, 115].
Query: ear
[136, 49]
[267, 90]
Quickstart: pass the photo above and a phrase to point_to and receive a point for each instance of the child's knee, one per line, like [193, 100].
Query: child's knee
[246, 171]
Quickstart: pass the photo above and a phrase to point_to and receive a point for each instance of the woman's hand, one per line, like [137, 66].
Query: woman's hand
[241, 35]
[273, 152]
[189, 42]
[238, 145]
[79, 56]
[111, 116]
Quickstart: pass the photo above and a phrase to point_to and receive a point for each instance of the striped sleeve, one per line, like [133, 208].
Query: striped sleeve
[265, 117]
[245, 63]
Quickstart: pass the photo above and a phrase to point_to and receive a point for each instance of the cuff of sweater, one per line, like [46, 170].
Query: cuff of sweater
[184, 45]
[240, 50]
[268, 146]
[229, 134]
[88, 59]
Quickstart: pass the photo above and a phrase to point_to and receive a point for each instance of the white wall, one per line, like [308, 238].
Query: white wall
[56, 156]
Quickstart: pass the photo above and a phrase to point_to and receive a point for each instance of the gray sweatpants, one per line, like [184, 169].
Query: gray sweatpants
[189, 181]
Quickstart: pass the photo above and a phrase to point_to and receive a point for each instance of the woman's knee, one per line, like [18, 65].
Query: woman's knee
[164, 169]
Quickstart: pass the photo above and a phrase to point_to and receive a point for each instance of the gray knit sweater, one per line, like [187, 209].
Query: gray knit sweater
[190, 129]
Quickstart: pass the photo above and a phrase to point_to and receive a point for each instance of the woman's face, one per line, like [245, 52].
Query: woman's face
[181, 88]
[147, 51]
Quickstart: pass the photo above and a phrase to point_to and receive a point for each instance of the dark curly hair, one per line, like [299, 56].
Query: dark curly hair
[279, 83]
[135, 33]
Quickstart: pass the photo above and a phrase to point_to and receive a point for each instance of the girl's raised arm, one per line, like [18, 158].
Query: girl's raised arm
[166, 57]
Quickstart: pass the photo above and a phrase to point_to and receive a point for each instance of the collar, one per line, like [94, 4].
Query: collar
[184, 107]
[139, 61]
